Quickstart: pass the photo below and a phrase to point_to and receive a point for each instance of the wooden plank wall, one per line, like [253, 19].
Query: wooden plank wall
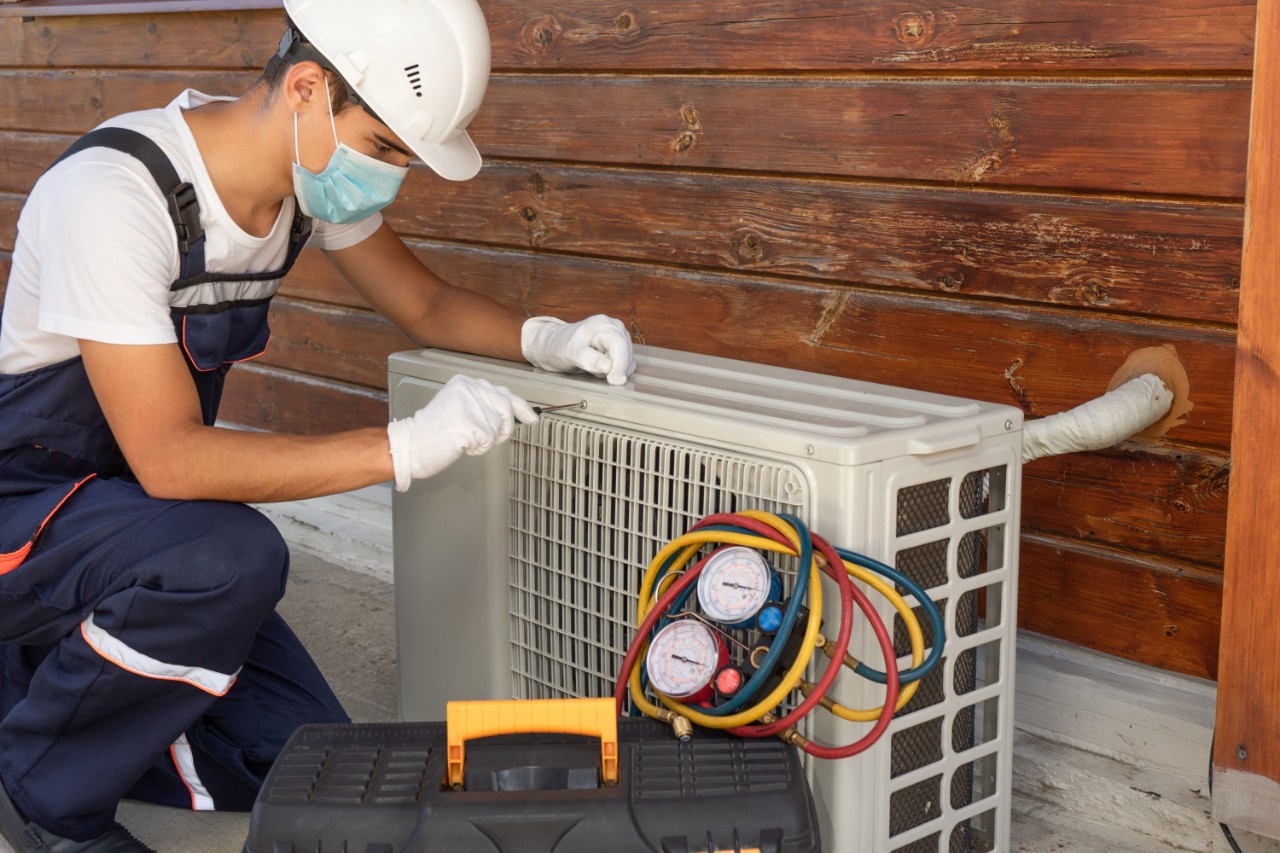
[999, 201]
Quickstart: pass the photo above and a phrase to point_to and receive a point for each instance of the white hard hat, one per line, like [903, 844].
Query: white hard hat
[420, 66]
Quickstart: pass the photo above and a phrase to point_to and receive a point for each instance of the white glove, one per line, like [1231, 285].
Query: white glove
[598, 345]
[466, 416]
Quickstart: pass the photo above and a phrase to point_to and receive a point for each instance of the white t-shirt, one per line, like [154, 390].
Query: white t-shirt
[96, 249]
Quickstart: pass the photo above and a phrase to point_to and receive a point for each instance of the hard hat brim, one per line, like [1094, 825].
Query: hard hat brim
[456, 159]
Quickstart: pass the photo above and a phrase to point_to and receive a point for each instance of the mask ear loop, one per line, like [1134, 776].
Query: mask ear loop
[328, 102]
[297, 158]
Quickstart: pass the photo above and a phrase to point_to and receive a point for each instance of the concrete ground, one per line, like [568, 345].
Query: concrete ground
[346, 620]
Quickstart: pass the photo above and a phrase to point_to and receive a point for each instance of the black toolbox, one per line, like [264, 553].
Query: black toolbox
[383, 788]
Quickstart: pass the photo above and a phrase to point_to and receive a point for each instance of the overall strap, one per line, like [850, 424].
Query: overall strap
[184, 208]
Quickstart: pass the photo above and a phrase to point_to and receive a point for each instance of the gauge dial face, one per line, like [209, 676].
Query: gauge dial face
[683, 658]
[734, 584]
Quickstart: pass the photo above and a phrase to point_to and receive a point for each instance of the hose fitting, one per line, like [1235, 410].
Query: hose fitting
[681, 726]
[793, 737]
[849, 660]
[807, 688]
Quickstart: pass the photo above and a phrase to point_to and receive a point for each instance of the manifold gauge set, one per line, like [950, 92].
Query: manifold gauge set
[720, 643]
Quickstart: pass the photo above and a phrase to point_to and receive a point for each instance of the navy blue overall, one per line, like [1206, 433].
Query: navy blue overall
[142, 655]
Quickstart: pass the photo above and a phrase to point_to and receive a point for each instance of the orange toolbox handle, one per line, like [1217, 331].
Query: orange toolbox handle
[595, 717]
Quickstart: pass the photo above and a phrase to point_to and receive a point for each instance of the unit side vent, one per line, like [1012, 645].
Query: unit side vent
[954, 550]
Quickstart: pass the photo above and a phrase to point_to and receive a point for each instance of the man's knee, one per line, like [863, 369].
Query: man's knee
[222, 549]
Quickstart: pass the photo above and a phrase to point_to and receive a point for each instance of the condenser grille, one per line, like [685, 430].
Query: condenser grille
[590, 507]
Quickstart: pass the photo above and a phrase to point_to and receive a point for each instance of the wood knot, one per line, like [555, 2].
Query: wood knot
[689, 115]
[950, 281]
[541, 34]
[1087, 289]
[536, 225]
[624, 21]
[688, 137]
[1095, 291]
[750, 247]
[1000, 128]
[684, 142]
[914, 29]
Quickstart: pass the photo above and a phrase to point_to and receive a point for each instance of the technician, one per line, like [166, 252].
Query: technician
[142, 656]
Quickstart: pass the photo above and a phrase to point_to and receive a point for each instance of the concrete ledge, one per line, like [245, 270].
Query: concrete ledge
[352, 529]
[1116, 708]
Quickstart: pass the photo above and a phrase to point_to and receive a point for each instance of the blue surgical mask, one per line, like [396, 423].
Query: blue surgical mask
[351, 187]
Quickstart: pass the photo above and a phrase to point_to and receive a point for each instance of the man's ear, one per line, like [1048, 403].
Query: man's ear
[303, 83]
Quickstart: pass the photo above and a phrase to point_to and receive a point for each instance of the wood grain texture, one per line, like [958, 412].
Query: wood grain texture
[1246, 757]
[93, 9]
[1152, 135]
[1008, 37]
[1042, 360]
[1171, 259]
[830, 35]
[339, 344]
[1134, 606]
[229, 39]
[286, 401]
[10, 208]
[1148, 136]
[75, 101]
[1168, 501]
[1158, 258]
[26, 156]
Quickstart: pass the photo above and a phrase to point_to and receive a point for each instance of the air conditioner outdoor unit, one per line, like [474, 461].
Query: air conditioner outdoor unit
[516, 572]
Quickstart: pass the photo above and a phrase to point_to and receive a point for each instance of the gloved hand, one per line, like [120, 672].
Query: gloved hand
[466, 416]
[598, 345]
